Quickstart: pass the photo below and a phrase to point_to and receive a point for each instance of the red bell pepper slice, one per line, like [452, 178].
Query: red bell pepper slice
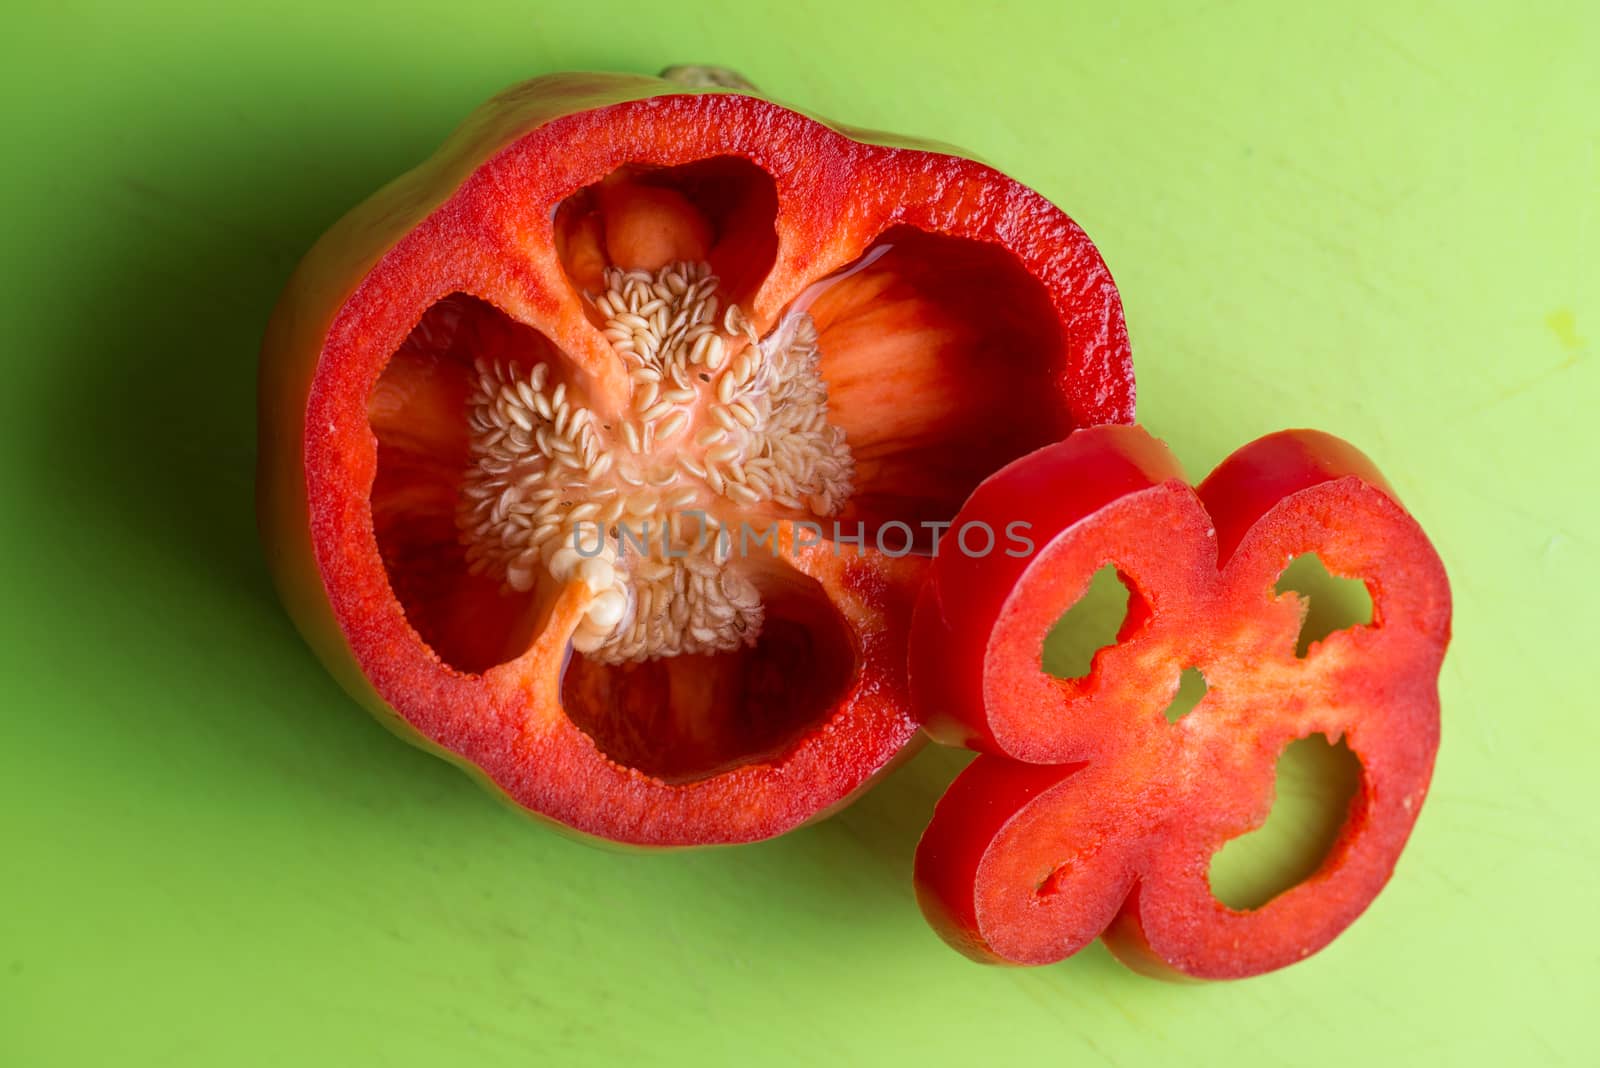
[1088, 813]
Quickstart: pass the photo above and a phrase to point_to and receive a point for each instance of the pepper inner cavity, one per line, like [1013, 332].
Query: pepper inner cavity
[647, 511]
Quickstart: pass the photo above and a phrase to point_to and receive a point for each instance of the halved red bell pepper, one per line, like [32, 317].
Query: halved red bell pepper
[610, 300]
[1089, 813]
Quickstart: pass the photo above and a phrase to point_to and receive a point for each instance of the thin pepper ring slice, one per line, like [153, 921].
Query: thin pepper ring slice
[1087, 813]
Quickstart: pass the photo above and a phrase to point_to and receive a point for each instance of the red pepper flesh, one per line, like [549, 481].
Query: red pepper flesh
[954, 299]
[1089, 814]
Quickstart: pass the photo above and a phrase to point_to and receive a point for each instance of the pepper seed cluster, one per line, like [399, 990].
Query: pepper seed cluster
[710, 424]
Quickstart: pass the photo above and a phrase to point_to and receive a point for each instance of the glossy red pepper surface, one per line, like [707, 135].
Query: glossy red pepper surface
[1088, 813]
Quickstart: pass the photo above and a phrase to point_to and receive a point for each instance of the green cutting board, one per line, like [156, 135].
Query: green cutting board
[1378, 219]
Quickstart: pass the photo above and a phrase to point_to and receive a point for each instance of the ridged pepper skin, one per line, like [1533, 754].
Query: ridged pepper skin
[1087, 813]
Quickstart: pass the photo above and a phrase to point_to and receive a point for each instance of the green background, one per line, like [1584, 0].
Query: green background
[1376, 220]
